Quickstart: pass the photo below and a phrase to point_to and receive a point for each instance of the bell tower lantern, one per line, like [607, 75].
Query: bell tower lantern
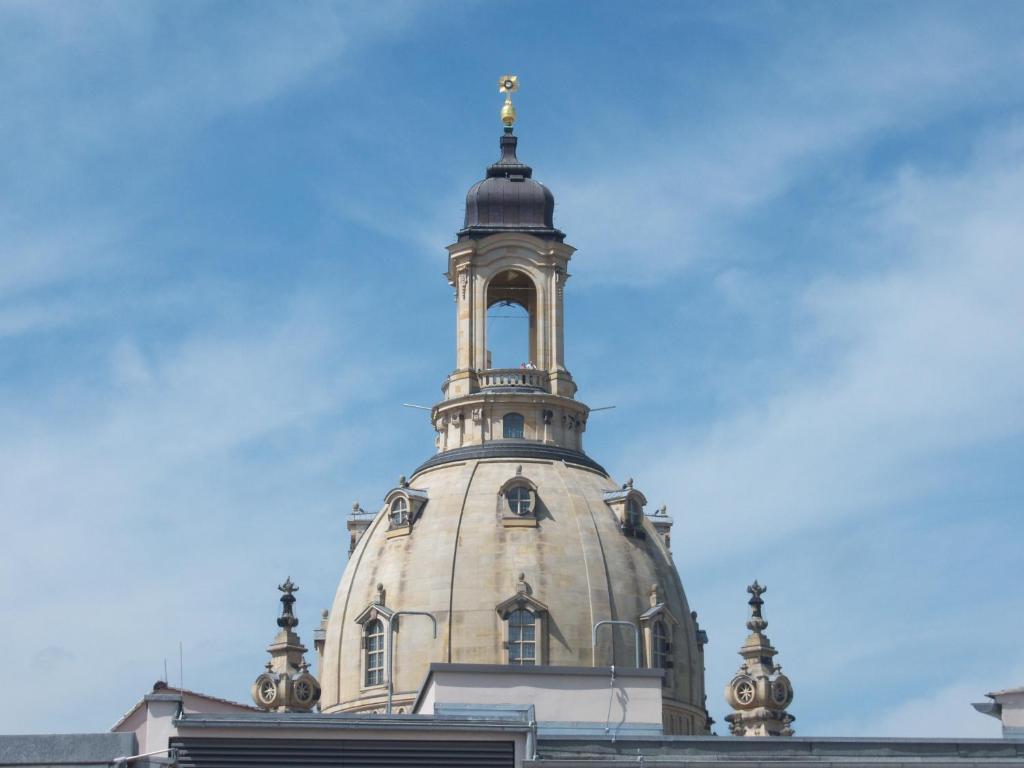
[509, 252]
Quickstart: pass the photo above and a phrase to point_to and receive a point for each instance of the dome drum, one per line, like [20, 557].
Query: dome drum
[495, 416]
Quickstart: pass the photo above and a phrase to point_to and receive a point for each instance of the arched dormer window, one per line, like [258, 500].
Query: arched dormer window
[634, 513]
[512, 425]
[525, 620]
[657, 625]
[659, 644]
[628, 505]
[399, 511]
[374, 625]
[520, 500]
[373, 641]
[517, 501]
[404, 505]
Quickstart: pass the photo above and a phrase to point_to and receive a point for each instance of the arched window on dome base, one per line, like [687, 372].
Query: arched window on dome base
[525, 622]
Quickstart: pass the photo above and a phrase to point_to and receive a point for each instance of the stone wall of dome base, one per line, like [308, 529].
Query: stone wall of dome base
[510, 449]
[495, 415]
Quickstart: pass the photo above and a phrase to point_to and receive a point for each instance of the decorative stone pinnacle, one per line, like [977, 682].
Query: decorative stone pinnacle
[402, 481]
[756, 622]
[287, 619]
[521, 585]
[381, 593]
[759, 693]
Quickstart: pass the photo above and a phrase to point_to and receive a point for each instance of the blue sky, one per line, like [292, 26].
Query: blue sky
[799, 279]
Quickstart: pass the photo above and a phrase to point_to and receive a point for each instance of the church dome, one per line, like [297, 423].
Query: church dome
[509, 199]
[465, 555]
[510, 546]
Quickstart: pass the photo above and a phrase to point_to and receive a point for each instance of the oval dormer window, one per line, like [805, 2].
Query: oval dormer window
[519, 501]
[399, 512]
[512, 425]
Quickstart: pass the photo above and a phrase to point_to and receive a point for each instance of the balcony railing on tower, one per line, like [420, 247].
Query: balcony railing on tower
[526, 379]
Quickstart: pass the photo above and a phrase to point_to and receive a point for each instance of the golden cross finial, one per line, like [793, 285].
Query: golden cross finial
[508, 84]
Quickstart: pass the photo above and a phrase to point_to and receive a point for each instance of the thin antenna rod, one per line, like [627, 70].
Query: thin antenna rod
[602, 408]
[166, 681]
[181, 666]
[421, 407]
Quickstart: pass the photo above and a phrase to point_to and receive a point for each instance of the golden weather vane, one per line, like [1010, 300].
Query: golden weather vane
[508, 84]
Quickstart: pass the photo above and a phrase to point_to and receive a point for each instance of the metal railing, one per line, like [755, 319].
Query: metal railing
[612, 622]
[392, 626]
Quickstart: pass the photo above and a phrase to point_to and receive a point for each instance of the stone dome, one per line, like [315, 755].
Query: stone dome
[509, 199]
[464, 556]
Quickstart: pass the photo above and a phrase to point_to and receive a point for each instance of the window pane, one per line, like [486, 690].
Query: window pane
[528, 633]
[519, 500]
[512, 425]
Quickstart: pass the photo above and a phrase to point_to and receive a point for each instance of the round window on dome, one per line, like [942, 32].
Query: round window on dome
[520, 501]
[399, 512]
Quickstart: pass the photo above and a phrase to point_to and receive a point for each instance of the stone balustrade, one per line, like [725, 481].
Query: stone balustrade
[489, 378]
[528, 378]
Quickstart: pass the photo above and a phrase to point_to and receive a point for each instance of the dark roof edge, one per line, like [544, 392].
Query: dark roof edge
[544, 669]
[477, 231]
[344, 721]
[510, 450]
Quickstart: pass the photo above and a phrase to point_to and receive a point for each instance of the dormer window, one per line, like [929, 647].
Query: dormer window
[526, 626]
[520, 501]
[517, 501]
[628, 505]
[374, 661]
[512, 425]
[374, 625]
[634, 513]
[404, 506]
[659, 644]
[657, 625]
[522, 637]
[399, 512]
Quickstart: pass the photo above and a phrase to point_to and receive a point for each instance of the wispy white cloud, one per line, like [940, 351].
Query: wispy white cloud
[112, 90]
[945, 712]
[896, 375]
[127, 516]
[917, 360]
[664, 195]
